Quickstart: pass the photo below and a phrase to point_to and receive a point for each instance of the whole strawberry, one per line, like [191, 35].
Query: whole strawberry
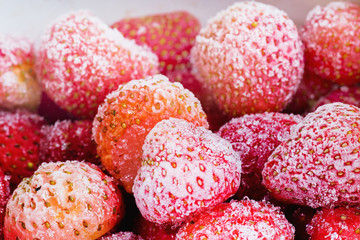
[19, 144]
[185, 169]
[318, 165]
[66, 140]
[245, 219]
[332, 44]
[65, 200]
[341, 223]
[130, 112]
[169, 35]
[19, 88]
[254, 137]
[81, 60]
[4, 197]
[251, 58]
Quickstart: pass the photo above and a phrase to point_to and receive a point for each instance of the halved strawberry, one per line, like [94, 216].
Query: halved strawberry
[169, 35]
[66, 200]
[19, 144]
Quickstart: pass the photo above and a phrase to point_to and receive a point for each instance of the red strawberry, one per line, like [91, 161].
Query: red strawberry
[152, 231]
[318, 165]
[169, 35]
[311, 88]
[66, 200]
[349, 95]
[4, 196]
[335, 224]
[18, 85]
[332, 44]
[122, 236]
[19, 144]
[66, 140]
[251, 58]
[255, 137]
[130, 112]
[185, 169]
[81, 60]
[245, 219]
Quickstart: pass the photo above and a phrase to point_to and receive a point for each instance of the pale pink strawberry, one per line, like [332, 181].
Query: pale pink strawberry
[243, 220]
[318, 165]
[81, 60]
[185, 169]
[251, 58]
[66, 200]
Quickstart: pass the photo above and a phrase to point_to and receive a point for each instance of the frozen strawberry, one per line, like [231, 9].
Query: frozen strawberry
[169, 35]
[332, 44]
[19, 88]
[251, 57]
[311, 88]
[345, 94]
[130, 112]
[122, 236]
[318, 165]
[69, 200]
[335, 224]
[19, 144]
[245, 219]
[185, 169]
[66, 140]
[4, 197]
[254, 137]
[152, 231]
[81, 60]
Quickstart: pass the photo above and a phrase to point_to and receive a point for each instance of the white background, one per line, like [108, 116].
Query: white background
[30, 17]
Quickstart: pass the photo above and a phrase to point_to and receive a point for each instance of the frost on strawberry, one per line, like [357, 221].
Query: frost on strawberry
[319, 164]
[246, 219]
[81, 60]
[185, 168]
[121, 236]
[19, 88]
[129, 113]
[251, 58]
[66, 200]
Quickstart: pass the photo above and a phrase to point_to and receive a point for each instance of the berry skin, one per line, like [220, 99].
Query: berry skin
[345, 94]
[4, 197]
[251, 58]
[341, 223]
[169, 35]
[254, 137]
[19, 88]
[332, 44]
[69, 200]
[66, 140]
[130, 112]
[311, 88]
[19, 144]
[318, 165]
[185, 169]
[81, 60]
[122, 236]
[246, 219]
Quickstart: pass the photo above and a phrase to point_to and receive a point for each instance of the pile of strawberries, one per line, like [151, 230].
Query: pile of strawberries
[156, 128]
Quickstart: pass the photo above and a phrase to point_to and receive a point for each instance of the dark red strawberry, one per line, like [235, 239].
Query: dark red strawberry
[318, 165]
[245, 219]
[169, 35]
[19, 144]
[152, 231]
[300, 217]
[66, 200]
[66, 140]
[335, 224]
[184, 169]
[130, 112]
[254, 137]
[332, 44]
[346, 94]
